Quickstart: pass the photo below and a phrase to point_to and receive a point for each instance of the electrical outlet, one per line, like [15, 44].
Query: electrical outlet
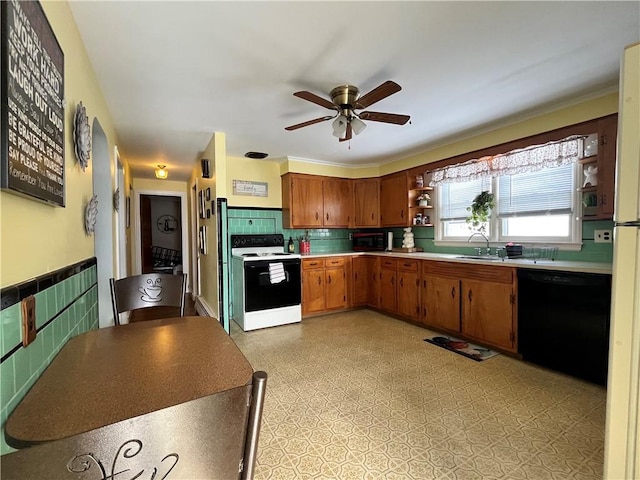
[602, 236]
[351, 236]
[28, 320]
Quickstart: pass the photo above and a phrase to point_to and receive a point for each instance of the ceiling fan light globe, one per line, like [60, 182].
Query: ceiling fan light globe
[357, 125]
[339, 126]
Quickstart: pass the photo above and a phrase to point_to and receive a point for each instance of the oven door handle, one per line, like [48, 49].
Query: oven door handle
[267, 280]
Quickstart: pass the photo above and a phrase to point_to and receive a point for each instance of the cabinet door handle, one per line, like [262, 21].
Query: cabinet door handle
[316, 215]
[470, 295]
[406, 264]
[402, 282]
[371, 216]
[393, 281]
[402, 214]
[327, 216]
[329, 279]
[356, 277]
[453, 292]
[319, 281]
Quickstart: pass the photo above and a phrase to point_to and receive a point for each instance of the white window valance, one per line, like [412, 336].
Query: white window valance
[524, 160]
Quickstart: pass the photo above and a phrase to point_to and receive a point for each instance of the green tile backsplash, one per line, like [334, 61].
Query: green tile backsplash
[590, 252]
[324, 240]
[63, 310]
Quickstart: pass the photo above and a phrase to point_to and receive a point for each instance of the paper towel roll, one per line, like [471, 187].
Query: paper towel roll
[389, 241]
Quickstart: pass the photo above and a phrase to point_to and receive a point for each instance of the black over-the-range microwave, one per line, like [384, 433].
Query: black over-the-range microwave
[368, 242]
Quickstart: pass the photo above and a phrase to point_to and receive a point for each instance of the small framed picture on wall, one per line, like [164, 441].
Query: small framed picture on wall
[201, 204]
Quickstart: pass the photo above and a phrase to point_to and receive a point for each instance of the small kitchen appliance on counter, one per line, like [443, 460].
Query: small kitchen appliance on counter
[266, 282]
[368, 241]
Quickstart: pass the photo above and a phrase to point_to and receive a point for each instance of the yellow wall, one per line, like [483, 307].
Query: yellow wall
[300, 166]
[142, 184]
[588, 110]
[209, 262]
[37, 238]
[240, 168]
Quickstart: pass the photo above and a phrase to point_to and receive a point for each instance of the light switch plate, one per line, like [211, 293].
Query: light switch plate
[602, 236]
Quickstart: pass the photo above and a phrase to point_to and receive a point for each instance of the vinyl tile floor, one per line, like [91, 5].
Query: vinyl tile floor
[360, 395]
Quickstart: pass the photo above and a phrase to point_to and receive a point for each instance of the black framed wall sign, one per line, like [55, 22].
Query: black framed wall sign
[32, 101]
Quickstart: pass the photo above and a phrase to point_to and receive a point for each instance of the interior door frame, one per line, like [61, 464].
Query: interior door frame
[183, 227]
[121, 228]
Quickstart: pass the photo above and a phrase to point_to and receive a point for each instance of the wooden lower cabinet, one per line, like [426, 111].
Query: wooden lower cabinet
[387, 285]
[441, 302]
[400, 287]
[488, 312]
[408, 285]
[373, 289]
[360, 280]
[477, 301]
[324, 284]
[313, 286]
[335, 293]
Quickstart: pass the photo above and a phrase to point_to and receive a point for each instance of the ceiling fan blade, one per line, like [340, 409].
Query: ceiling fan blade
[378, 93]
[313, 98]
[347, 134]
[385, 117]
[308, 122]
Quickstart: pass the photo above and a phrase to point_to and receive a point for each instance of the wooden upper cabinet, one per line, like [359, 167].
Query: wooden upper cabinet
[394, 200]
[336, 202]
[366, 201]
[311, 201]
[607, 136]
[302, 201]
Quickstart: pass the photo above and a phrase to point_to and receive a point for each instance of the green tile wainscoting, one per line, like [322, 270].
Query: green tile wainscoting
[66, 306]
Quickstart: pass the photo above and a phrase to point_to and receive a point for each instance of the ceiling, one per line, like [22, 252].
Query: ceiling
[173, 73]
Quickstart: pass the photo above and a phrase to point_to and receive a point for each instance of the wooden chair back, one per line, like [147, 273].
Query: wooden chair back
[147, 290]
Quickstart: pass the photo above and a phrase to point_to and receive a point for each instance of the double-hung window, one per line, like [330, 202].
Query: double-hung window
[532, 205]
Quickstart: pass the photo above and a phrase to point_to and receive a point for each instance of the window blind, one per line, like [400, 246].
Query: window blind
[456, 197]
[536, 193]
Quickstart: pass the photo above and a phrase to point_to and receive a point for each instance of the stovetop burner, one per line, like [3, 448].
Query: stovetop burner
[260, 247]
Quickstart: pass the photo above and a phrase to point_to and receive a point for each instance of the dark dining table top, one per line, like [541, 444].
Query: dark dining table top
[112, 374]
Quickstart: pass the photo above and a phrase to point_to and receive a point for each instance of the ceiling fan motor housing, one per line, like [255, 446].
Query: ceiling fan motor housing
[345, 96]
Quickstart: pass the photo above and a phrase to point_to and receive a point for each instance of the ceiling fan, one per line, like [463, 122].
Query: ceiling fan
[345, 100]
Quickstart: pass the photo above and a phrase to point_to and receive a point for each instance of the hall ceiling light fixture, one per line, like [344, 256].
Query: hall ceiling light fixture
[161, 172]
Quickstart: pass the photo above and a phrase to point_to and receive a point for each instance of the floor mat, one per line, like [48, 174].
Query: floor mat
[469, 350]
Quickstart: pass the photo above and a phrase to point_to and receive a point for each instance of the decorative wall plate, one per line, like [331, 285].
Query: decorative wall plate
[82, 136]
[167, 224]
[90, 215]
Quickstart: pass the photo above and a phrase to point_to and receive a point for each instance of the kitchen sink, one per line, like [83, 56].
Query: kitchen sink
[479, 257]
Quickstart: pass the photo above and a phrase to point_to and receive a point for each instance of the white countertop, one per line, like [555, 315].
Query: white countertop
[560, 265]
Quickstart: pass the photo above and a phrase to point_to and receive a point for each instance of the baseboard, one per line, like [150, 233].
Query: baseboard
[203, 308]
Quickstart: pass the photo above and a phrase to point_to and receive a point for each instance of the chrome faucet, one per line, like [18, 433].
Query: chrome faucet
[483, 236]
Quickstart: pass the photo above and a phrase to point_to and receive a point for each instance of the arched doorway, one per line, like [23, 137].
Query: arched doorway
[103, 236]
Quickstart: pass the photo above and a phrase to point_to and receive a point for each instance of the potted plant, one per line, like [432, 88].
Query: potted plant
[423, 199]
[480, 211]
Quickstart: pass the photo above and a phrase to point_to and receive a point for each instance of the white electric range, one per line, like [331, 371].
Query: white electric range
[267, 287]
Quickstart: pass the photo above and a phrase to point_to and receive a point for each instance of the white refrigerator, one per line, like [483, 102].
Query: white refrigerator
[622, 435]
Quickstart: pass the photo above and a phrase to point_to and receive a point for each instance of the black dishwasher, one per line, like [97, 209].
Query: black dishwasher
[563, 321]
